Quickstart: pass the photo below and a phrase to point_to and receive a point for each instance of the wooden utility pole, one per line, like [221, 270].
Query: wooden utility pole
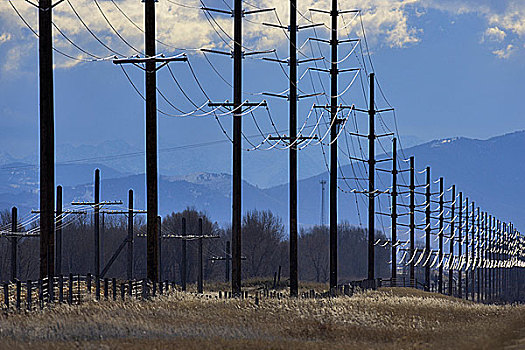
[467, 256]
[47, 140]
[201, 272]
[130, 235]
[452, 240]
[394, 209]
[96, 221]
[428, 230]
[473, 253]
[371, 179]
[334, 73]
[152, 200]
[441, 217]
[412, 209]
[58, 238]
[14, 243]
[460, 245]
[184, 266]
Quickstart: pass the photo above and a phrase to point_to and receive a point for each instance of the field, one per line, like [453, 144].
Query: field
[386, 319]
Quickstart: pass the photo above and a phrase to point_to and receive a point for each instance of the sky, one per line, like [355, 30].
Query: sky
[449, 67]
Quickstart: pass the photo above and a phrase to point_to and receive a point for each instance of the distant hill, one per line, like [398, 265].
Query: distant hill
[490, 172]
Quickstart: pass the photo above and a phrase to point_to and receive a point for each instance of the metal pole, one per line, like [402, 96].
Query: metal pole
[451, 246]
[96, 222]
[184, 263]
[294, 282]
[371, 180]
[427, 231]
[460, 245]
[237, 152]
[394, 209]
[14, 242]
[130, 235]
[412, 220]
[200, 279]
[151, 144]
[440, 235]
[47, 140]
[58, 261]
[333, 148]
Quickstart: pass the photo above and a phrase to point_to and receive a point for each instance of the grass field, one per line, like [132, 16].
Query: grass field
[386, 319]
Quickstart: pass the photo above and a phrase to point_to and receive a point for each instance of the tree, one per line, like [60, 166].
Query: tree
[262, 234]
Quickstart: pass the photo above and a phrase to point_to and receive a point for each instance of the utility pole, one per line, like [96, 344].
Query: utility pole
[323, 183]
[14, 242]
[58, 238]
[128, 241]
[473, 253]
[47, 139]
[96, 219]
[428, 230]
[460, 245]
[96, 204]
[334, 73]
[451, 246]
[152, 200]
[130, 235]
[394, 209]
[467, 257]
[237, 108]
[412, 208]
[371, 180]
[227, 259]
[478, 257]
[440, 235]
[201, 277]
[184, 257]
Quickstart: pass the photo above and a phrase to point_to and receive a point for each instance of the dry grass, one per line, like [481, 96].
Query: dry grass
[392, 318]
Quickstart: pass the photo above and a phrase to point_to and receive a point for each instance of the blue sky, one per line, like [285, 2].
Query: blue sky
[450, 68]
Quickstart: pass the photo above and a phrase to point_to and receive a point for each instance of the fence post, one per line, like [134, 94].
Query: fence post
[122, 291]
[18, 294]
[6, 295]
[29, 291]
[114, 286]
[97, 287]
[41, 293]
[106, 287]
[70, 291]
[88, 278]
[130, 291]
[60, 289]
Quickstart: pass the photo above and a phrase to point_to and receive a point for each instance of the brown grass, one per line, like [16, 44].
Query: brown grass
[393, 318]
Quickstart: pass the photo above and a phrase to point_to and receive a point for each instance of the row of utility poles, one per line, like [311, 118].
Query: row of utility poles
[493, 249]
[150, 62]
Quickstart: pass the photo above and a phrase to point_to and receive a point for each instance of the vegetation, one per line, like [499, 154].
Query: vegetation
[385, 319]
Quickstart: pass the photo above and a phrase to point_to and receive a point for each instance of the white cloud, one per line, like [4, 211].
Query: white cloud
[495, 34]
[386, 23]
[5, 37]
[505, 52]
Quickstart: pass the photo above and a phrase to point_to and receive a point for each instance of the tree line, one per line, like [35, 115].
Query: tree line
[265, 248]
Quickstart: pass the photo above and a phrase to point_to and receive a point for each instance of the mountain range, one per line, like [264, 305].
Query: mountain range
[490, 172]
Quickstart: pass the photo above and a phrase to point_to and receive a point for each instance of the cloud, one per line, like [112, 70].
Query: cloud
[494, 34]
[182, 24]
[505, 20]
[5, 37]
[506, 52]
